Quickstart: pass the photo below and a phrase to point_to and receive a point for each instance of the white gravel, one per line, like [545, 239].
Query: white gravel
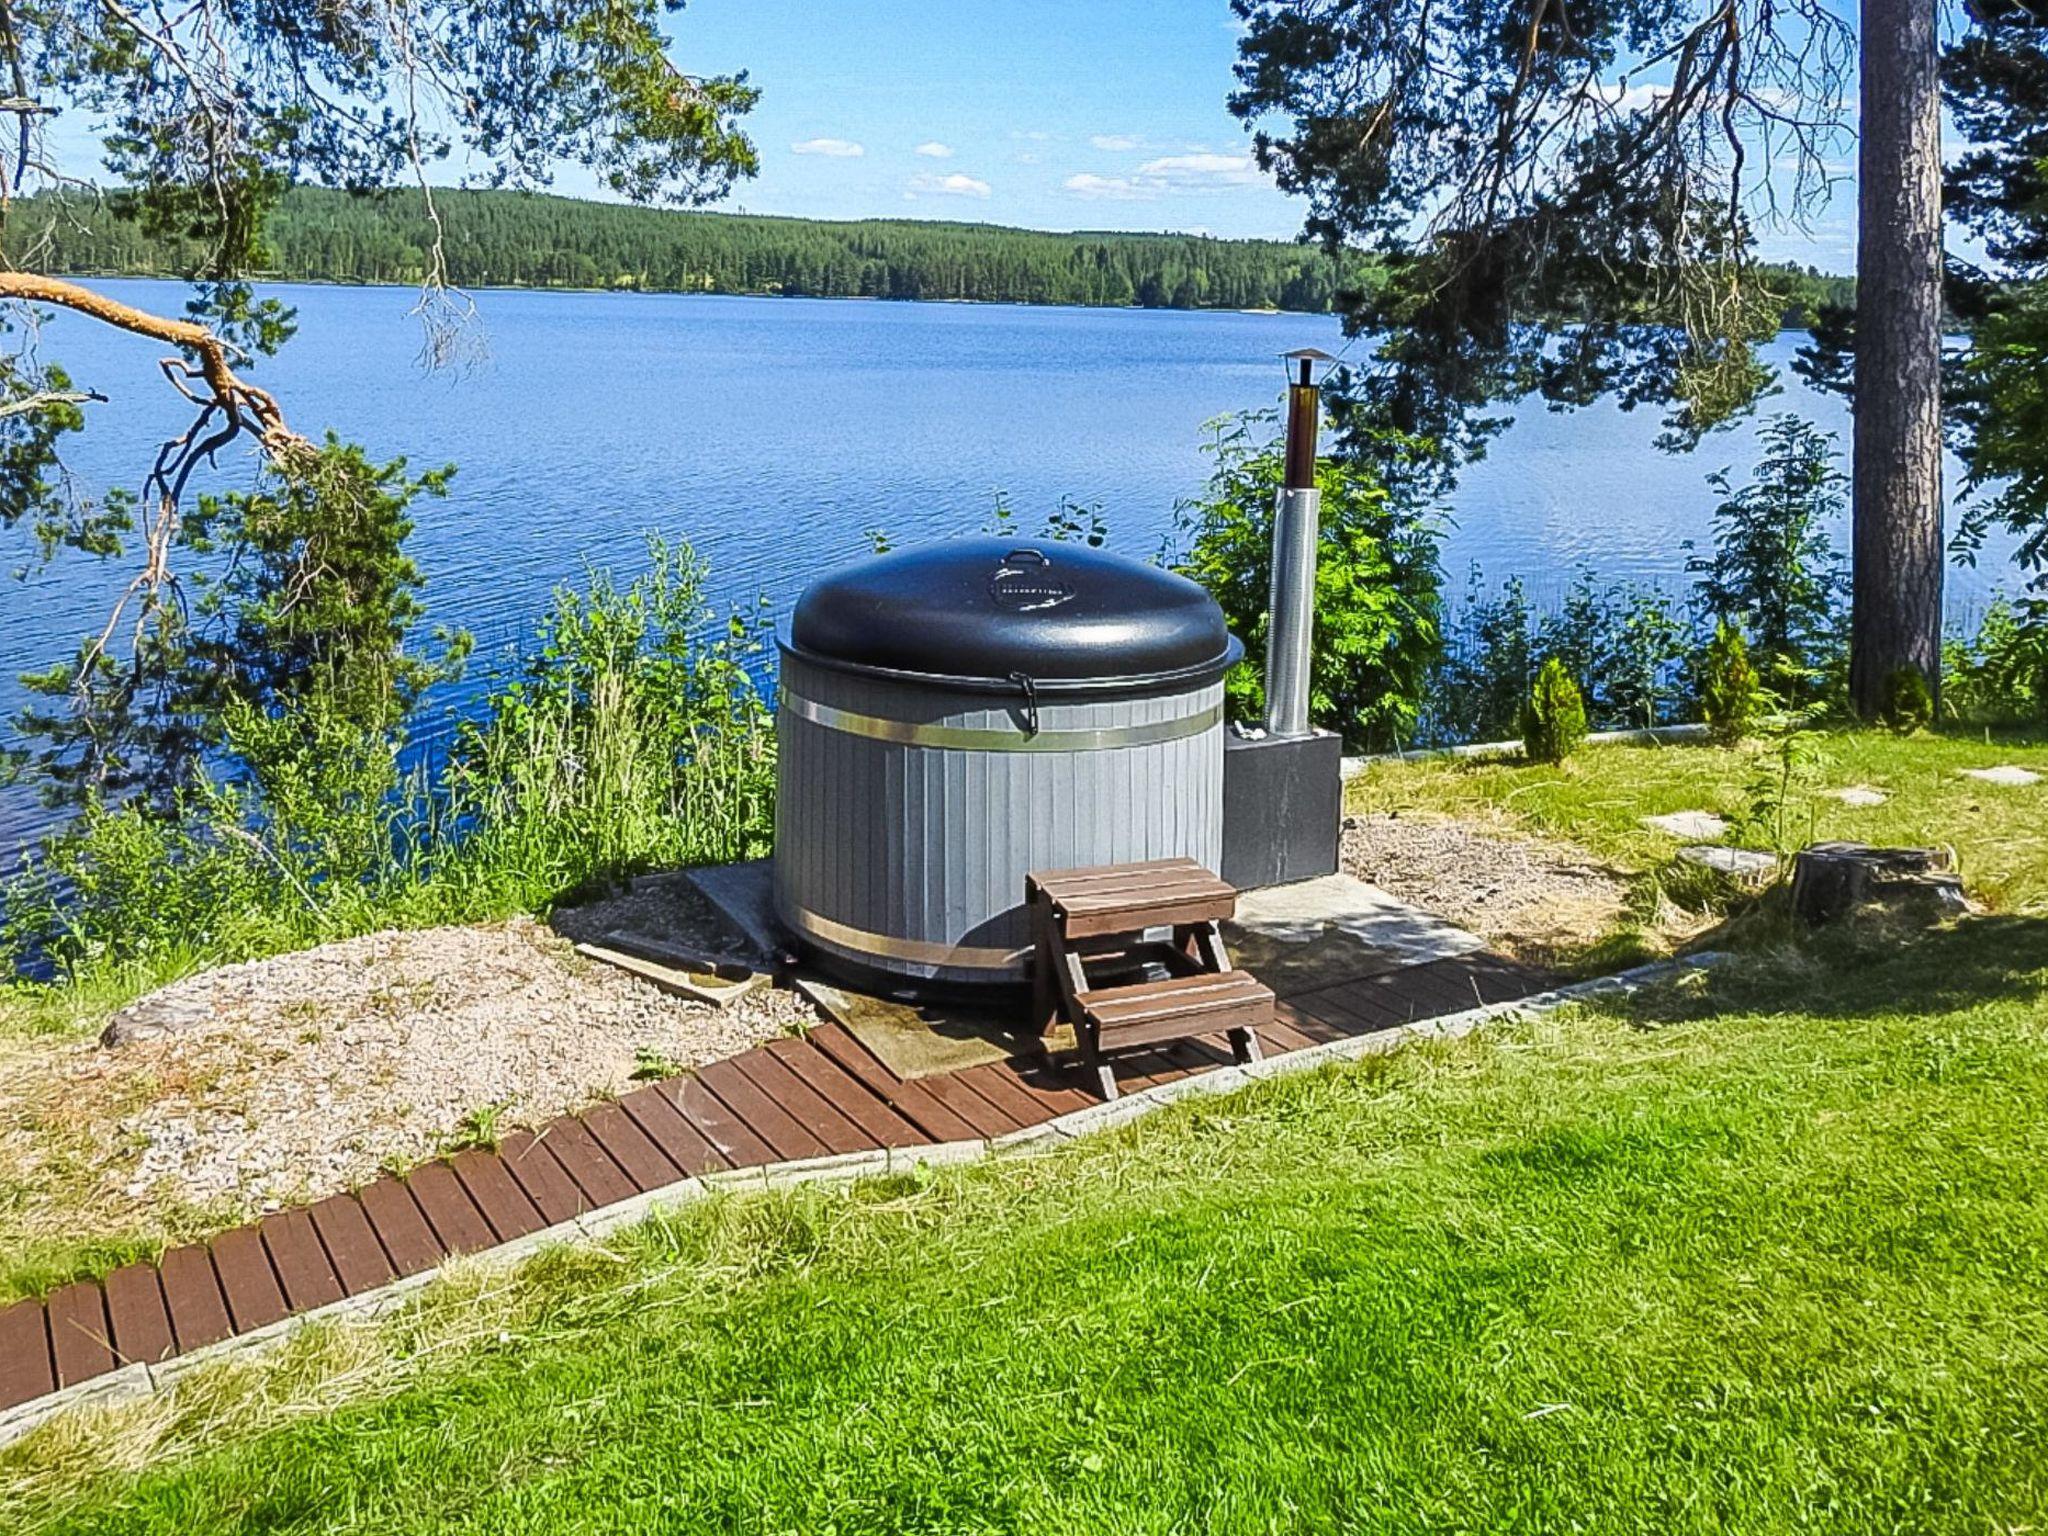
[302, 1075]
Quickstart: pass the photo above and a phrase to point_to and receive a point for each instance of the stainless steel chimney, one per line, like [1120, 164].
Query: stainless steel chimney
[1297, 525]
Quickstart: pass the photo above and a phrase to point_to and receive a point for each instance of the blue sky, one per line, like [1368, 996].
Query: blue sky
[1052, 114]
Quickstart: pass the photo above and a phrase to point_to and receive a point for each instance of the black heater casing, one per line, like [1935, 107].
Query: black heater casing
[1283, 808]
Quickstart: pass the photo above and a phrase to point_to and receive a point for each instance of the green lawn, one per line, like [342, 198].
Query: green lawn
[1598, 798]
[1761, 1254]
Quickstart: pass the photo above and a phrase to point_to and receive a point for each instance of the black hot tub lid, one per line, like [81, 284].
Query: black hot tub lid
[1066, 616]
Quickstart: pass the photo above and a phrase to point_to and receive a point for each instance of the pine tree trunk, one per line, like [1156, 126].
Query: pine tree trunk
[1896, 608]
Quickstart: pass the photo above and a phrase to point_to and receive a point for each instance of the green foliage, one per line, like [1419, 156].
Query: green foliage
[1377, 603]
[1546, 232]
[506, 239]
[1625, 640]
[1773, 571]
[1757, 1252]
[1999, 676]
[1488, 665]
[1781, 789]
[1553, 716]
[1732, 696]
[309, 610]
[1908, 702]
[633, 738]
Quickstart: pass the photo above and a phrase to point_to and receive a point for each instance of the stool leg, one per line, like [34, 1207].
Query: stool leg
[1244, 1046]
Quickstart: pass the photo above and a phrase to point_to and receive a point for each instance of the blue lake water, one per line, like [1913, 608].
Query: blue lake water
[773, 434]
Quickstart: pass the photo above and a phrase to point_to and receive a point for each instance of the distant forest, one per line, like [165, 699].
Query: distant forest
[519, 240]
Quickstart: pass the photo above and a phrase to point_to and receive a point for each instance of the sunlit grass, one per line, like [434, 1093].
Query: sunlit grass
[1761, 1254]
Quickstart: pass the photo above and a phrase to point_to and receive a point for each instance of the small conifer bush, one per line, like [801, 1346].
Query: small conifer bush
[1731, 694]
[1908, 702]
[1554, 716]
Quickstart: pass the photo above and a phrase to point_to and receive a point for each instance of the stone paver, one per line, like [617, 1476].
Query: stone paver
[1697, 825]
[2006, 775]
[1742, 863]
[1862, 796]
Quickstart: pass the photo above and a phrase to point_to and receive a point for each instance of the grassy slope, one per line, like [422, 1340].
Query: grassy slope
[1597, 799]
[1762, 1256]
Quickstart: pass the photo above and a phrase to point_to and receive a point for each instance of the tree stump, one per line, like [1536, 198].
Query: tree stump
[1831, 880]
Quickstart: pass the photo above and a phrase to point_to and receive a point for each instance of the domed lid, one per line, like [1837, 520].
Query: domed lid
[980, 611]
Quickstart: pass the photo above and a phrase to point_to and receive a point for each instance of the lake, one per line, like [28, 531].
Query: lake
[774, 434]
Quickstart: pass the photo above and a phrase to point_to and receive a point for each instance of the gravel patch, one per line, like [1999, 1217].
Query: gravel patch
[1525, 895]
[299, 1076]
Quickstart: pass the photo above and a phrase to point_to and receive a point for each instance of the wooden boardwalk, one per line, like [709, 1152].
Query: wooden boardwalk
[782, 1102]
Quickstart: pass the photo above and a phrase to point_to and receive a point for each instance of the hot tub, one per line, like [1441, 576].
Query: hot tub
[953, 716]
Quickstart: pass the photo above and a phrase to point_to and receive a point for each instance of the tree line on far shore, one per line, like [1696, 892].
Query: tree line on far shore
[499, 239]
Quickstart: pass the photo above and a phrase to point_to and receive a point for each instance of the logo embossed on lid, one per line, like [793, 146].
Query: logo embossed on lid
[1025, 582]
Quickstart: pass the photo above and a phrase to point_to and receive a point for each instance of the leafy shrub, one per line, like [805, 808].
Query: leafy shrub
[1999, 676]
[632, 738]
[1731, 695]
[1378, 605]
[1774, 571]
[1489, 661]
[1908, 701]
[1554, 716]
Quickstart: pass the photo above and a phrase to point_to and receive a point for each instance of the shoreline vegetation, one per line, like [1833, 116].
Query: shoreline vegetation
[540, 242]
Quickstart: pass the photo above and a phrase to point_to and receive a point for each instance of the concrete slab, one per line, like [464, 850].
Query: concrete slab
[1861, 796]
[1318, 933]
[2006, 775]
[1741, 863]
[745, 894]
[915, 1039]
[1696, 826]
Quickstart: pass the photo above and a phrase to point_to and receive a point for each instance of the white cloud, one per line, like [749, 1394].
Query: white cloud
[932, 149]
[836, 149]
[1117, 141]
[955, 185]
[1199, 172]
[1108, 189]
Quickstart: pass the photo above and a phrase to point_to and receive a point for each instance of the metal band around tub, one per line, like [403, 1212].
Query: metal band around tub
[971, 738]
[910, 951]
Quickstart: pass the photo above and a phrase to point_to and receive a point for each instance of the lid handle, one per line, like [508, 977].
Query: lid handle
[1027, 554]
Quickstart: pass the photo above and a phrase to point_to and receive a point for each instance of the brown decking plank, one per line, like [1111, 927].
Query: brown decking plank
[680, 1142]
[26, 1370]
[985, 1118]
[909, 1097]
[80, 1339]
[853, 1099]
[1002, 1089]
[359, 1259]
[192, 1295]
[255, 1299]
[1058, 1090]
[586, 1162]
[1286, 1033]
[135, 1307]
[816, 1113]
[456, 1221]
[395, 1218]
[629, 1147]
[773, 1124]
[718, 1125]
[301, 1263]
[1338, 1009]
[489, 1183]
[553, 1193]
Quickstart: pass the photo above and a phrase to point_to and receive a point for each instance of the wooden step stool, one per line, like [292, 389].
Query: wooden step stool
[1103, 915]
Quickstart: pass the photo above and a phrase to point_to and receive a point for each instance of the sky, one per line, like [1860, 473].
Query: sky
[1050, 114]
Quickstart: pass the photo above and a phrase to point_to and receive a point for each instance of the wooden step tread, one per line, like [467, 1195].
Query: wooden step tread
[1175, 997]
